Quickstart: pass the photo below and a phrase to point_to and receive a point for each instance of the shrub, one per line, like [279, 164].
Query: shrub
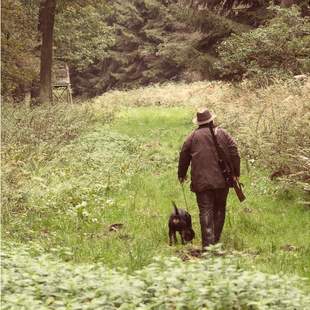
[83, 45]
[31, 136]
[18, 39]
[279, 48]
[176, 54]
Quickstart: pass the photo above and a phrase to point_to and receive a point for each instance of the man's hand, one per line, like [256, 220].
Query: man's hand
[236, 179]
[182, 179]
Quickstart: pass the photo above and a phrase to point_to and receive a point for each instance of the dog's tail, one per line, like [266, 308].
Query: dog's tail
[175, 208]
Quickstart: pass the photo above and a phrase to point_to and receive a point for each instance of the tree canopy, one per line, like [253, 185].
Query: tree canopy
[128, 43]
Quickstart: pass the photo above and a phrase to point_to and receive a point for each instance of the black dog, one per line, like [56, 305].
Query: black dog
[180, 221]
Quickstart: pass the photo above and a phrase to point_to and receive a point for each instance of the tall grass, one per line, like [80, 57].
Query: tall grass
[31, 137]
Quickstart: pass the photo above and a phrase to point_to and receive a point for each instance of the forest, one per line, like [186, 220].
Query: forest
[97, 99]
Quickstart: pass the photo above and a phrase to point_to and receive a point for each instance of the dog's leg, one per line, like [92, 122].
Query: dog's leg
[175, 237]
[172, 235]
[182, 240]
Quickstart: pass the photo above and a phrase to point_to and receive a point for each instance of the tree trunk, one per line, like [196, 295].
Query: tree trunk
[46, 27]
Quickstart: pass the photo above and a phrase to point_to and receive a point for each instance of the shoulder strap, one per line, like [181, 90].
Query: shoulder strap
[217, 147]
[223, 162]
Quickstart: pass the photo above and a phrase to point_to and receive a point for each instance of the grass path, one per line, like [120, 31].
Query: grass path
[125, 173]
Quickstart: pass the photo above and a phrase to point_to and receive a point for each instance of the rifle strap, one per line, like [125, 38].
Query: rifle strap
[222, 158]
[217, 147]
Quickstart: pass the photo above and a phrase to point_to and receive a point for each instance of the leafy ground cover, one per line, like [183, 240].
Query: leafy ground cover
[210, 283]
[96, 187]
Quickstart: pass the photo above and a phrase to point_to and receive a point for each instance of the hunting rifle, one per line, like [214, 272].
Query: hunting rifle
[226, 169]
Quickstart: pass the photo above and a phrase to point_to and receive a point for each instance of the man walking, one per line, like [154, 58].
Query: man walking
[207, 180]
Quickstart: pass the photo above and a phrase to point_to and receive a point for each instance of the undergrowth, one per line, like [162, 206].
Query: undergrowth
[31, 137]
[209, 283]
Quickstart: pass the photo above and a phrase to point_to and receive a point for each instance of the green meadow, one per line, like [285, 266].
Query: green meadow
[102, 195]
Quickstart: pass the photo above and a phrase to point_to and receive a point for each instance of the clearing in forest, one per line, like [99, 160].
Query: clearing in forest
[105, 195]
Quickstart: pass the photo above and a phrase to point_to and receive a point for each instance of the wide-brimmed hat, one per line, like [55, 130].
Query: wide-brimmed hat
[204, 116]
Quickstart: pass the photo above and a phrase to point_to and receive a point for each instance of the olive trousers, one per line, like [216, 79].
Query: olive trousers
[212, 209]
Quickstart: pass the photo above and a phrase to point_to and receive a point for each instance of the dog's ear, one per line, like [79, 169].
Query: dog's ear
[175, 208]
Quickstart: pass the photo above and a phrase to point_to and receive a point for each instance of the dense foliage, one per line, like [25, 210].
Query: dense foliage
[82, 35]
[156, 41]
[125, 44]
[18, 42]
[278, 49]
[213, 283]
